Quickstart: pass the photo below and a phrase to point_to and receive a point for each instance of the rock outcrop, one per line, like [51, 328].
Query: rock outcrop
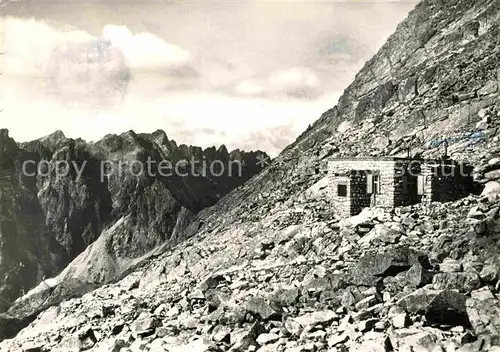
[28, 248]
[271, 267]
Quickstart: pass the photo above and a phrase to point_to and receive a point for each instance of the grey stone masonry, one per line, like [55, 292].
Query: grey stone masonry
[358, 183]
[341, 203]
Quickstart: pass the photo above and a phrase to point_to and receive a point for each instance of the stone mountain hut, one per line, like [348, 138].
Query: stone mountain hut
[390, 182]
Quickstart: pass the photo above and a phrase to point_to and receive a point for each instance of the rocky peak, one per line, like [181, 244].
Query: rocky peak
[8, 148]
[160, 138]
[53, 138]
[222, 150]
[159, 135]
[4, 133]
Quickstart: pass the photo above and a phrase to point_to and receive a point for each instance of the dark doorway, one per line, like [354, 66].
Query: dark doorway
[360, 198]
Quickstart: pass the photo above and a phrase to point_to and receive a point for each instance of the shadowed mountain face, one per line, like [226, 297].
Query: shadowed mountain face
[28, 248]
[58, 195]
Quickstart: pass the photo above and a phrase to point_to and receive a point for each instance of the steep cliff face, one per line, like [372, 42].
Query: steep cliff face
[28, 249]
[59, 195]
[272, 267]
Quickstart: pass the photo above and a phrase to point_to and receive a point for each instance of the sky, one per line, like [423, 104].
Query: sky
[247, 74]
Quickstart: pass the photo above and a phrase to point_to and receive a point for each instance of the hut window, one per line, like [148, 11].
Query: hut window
[420, 185]
[342, 190]
[373, 183]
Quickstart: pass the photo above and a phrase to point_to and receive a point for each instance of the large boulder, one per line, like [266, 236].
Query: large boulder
[491, 190]
[484, 315]
[376, 265]
[444, 307]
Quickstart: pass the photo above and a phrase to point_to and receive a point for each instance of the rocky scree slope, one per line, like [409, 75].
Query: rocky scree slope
[422, 278]
[96, 227]
[271, 268]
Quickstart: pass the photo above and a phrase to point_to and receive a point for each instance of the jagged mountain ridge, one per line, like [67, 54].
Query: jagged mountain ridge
[274, 248]
[65, 213]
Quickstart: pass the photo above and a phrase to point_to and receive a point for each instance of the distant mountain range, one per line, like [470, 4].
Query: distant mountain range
[49, 216]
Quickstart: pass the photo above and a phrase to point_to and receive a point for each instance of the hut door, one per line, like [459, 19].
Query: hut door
[359, 191]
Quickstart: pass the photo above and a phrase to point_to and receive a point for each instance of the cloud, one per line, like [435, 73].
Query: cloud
[198, 118]
[77, 68]
[299, 82]
[249, 88]
[291, 83]
[146, 50]
[294, 83]
[28, 44]
[250, 75]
